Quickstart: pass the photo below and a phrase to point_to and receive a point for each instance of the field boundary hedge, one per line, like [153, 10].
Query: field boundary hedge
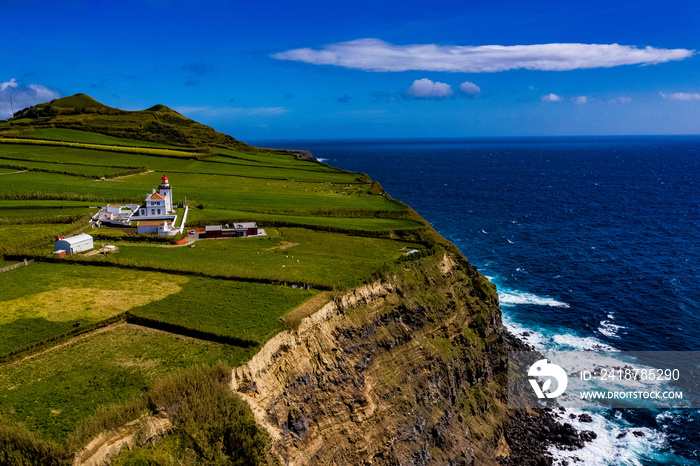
[188, 332]
[94, 263]
[58, 339]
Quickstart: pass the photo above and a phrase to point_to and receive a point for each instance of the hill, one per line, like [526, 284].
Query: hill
[156, 124]
[353, 330]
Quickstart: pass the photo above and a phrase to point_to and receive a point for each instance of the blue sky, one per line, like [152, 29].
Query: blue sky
[367, 69]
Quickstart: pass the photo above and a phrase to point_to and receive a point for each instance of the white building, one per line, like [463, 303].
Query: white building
[155, 216]
[166, 191]
[74, 244]
[116, 214]
[157, 227]
[158, 204]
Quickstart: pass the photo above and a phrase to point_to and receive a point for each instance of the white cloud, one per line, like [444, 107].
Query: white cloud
[580, 100]
[551, 98]
[377, 55]
[43, 93]
[469, 88]
[23, 96]
[681, 96]
[427, 89]
[11, 83]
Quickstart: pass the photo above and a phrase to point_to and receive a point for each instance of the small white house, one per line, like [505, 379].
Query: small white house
[157, 227]
[74, 244]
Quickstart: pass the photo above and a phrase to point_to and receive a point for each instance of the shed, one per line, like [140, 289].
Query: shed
[74, 244]
[214, 231]
[248, 228]
[150, 227]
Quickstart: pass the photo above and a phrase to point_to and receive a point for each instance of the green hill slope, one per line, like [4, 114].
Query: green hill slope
[107, 338]
[81, 112]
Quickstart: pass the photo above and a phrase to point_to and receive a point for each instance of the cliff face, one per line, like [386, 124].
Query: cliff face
[408, 370]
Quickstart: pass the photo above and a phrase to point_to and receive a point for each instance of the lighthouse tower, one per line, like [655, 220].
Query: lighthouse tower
[166, 191]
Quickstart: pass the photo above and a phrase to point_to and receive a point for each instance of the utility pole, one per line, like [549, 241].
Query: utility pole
[12, 106]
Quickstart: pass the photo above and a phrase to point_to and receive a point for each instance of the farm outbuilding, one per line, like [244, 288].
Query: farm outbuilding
[239, 230]
[74, 244]
[246, 228]
[151, 227]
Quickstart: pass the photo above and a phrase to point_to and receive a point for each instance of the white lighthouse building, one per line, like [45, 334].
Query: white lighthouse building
[167, 192]
[158, 205]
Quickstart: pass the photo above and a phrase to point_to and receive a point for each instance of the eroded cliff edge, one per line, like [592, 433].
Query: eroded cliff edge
[408, 370]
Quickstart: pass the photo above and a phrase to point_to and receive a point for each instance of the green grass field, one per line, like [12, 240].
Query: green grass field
[249, 311]
[16, 204]
[29, 214]
[278, 167]
[287, 254]
[88, 171]
[53, 392]
[113, 148]
[216, 216]
[72, 135]
[62, 294]
[219, 290]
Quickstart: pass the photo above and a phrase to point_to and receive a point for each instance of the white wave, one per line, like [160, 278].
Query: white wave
[484, 232]
[615, 444]
[566, 342]
[543, 341]
[528, 335]
[509, 241]
[514, 297]
[322, 160]
[609, 329]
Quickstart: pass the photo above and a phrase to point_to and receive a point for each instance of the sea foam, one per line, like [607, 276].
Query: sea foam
[515, 297]
[617, 443]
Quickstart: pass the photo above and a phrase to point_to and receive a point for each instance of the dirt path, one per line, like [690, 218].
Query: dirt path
[126, 176]
[13, 173]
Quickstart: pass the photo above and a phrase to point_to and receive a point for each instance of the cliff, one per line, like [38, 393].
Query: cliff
[408, 370]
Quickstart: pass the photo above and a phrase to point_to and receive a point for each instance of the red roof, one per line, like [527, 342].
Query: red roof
[157, 197]
[164, 177]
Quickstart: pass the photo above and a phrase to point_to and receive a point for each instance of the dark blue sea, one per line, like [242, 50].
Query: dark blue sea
[593, 243]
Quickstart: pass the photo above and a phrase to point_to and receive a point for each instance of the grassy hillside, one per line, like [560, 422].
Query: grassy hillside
[92, 335]
[81, 112]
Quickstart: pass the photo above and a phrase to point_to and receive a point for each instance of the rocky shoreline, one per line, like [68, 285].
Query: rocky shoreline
[530, 433]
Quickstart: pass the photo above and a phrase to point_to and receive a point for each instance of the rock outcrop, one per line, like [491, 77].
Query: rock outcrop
[407, 370]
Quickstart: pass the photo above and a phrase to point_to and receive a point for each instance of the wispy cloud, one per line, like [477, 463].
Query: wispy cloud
[427, 89]
[580, 100]
[551, 98]
[23, 95]
[377, 55]
[222, 112]
[621, 100]
[681, 96]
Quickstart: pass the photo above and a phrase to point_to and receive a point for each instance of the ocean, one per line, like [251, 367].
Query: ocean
[592, 242]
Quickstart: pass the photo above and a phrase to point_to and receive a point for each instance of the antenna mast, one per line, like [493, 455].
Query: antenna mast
[12, 106]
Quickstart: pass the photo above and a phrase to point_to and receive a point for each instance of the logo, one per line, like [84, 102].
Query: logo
[544, 369]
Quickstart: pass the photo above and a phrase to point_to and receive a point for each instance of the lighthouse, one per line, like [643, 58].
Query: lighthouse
[166, 191]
